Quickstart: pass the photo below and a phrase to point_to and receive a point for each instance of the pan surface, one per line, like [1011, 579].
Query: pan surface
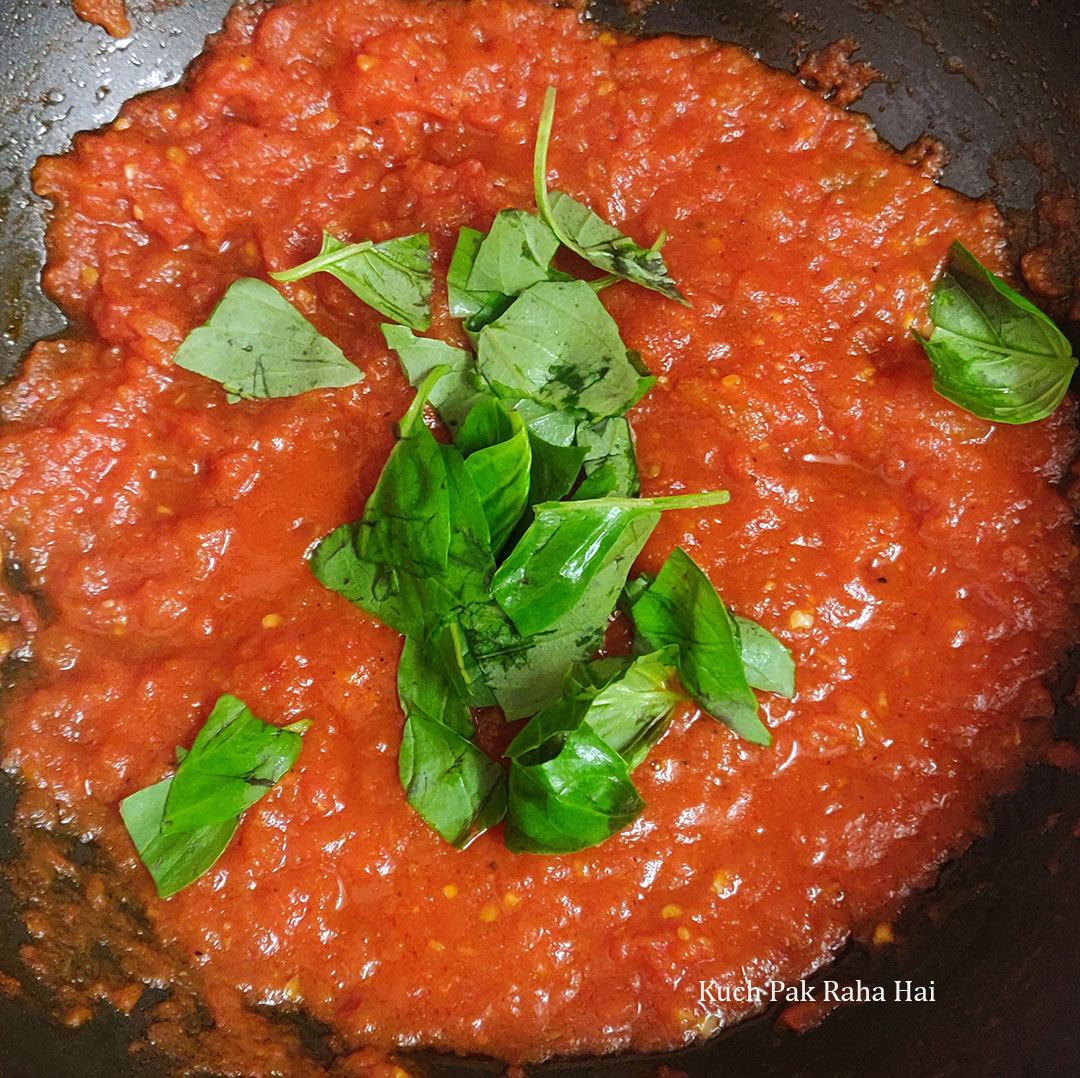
[996, 82]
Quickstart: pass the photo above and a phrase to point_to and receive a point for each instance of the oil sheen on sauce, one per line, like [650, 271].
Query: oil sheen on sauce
[917, 561]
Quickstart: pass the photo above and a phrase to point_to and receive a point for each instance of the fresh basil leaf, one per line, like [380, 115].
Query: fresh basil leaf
[501, 474]
[558, 345]
[424, 689]
[256, 344]
[555, 469]
[768, 665]
[588, 235]
[233, 761]
[393, 561]
[993, 353]
[476, 309]
[459, 390]
[546, 574]
[610, 460]
[630, 700]
[393, 277]
[572, 792]
[526, 673]
[514, 255]
[454, 786]
[177, 860]
[180, 826]
[682, 608]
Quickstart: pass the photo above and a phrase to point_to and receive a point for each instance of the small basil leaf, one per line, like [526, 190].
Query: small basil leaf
[177, 860]
[993, 353]
[630, 700]
[180, 826]
[571, 793]
[393, 277]
[233, 761]
[548, 571]
[610, 459]
[768, 665]
[588, 235]
[423, 689]
[489, 422]
[256, 344]
[558, 345]
[555, 469]
[501, 474]
[515, 254]
[454, 786]
[459, 390]
[476, 309]
[682, 608]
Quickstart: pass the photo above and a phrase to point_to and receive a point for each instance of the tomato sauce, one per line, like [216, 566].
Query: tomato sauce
[919, 562]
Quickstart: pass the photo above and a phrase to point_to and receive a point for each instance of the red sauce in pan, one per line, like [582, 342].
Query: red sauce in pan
[918, 561]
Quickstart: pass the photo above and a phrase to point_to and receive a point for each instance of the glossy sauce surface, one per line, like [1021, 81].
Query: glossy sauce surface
[918, 561]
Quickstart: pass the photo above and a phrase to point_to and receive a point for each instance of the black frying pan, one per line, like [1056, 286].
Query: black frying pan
[997, 81]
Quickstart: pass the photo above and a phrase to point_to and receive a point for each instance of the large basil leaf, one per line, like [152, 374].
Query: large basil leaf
[682, 609]
[256, 344]
[394, 277]
[993, 353]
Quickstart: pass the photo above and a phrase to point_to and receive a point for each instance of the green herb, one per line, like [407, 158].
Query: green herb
[500, 469]
[682, 609]
[993, 353]
[180, 826]
[525, 673]
[256, 344]
[393, 277]
[513, 256]
[455, 787]
[568, 543]
[455, 394]
[424, 689]
[570, 792]
[558, 345]
[767, 664]
[629, 700]
[578, 228]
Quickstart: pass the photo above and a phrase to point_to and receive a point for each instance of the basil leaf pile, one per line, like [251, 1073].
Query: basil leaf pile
[256, 344]
[993, 353]
[181, 826]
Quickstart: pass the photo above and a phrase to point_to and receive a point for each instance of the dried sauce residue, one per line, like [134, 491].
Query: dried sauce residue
[834, 75]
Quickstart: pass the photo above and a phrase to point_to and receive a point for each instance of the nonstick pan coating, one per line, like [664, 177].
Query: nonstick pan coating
[998, 83]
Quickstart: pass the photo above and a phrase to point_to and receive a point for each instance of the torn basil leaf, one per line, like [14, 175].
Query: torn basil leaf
[256, 344]
[558, 345]
[577, 227]
[424, 689]
[768, 665]
[394, 277]
[455, 394]
[548, 571]
[514, 255]
[181, 825]
[993, 353]
[681, 608]
[475, 308]
[453, 785]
